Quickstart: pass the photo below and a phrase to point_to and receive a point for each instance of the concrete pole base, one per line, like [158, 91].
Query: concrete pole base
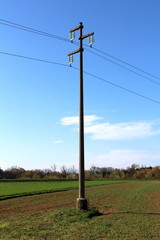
[82, 204]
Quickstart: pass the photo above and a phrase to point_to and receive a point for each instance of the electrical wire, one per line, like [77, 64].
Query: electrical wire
[32, 30]
[130, 65]
[123, 88]
[149, 79]
[35, 59]
[25, 28]
[90, 74]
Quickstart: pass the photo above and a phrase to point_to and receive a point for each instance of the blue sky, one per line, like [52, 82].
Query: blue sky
[39, 101]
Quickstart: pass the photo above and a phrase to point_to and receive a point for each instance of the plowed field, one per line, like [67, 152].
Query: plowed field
[126, 211]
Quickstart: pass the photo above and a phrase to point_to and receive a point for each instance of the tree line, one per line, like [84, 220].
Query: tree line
[132, 172]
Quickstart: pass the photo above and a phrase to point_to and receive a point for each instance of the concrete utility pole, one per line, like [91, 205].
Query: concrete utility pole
[81, 200]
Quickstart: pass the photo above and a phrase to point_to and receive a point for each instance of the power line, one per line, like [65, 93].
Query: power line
[25, 28]
[35, 59]
[118, 86]
[90, 74]
[149, 79]
[109, 55]
[32, 30]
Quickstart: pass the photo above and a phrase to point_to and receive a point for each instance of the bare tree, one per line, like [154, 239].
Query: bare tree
[53, 168]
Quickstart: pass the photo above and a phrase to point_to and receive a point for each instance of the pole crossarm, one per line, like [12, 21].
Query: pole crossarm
[85, 36]
[76, 28]
[74, 52]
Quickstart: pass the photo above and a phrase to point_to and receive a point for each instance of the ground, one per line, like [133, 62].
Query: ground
[122, 211]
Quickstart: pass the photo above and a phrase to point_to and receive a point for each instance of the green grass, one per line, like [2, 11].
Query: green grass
[117, 211]
[16, 188]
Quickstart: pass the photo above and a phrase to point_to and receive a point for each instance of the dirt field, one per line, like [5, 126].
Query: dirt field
[127, 211]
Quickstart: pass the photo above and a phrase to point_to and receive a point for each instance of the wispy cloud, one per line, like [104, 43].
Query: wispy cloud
[115, 131]
[122, 158]
[88, 120]
[119, 131]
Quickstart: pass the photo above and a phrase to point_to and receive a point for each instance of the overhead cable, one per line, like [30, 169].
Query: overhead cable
[123, 88]
[35, 59]
[149, 79]
[25, 28]
[32, 30]
[130, 65]
[90, 74]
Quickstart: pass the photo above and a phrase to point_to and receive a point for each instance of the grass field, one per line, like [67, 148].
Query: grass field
[126, 211]
[10, 189]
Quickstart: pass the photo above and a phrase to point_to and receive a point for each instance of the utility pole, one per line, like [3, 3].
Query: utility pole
[81, 203]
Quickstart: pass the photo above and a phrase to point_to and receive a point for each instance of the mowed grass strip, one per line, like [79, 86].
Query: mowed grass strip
[16, 189]
[117, 212]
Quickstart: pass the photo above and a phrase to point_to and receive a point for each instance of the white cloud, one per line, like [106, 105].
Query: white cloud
[122, 158]
[118, 131]
[115, 131]
[88, 120]
[58, 141]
